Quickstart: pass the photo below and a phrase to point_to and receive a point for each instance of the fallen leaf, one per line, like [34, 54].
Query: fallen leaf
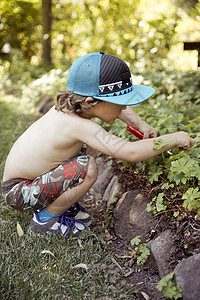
[129, 273]
[83, 266]
[19, 230]
[80, 243]
[146, 297]
[48, 252]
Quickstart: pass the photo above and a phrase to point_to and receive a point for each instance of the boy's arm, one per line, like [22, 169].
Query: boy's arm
[96, 137]
[131, 118]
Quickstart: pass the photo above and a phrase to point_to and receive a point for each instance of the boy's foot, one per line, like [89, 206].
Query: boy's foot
[63, 223]
[78, 212]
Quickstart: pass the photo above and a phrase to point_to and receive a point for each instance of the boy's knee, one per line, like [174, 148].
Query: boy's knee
[92, 172]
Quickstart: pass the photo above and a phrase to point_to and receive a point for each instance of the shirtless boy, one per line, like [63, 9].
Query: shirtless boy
[47, 170]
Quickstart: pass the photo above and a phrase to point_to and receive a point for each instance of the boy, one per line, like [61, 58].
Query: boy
[47, 170]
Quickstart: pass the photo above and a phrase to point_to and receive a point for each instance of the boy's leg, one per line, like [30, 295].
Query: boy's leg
[31, 195]
[70, 197]
[56, 190]
[59, 219]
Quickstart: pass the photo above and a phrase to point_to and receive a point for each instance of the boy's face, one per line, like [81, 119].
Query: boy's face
[108, 112]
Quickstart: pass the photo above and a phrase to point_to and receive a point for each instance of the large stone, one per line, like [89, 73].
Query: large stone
[131, 216]
[161, 250]
[112, 190]
[187, 276]
[104, 175]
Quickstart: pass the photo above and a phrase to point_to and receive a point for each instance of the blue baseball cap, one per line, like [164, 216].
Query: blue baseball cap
[107, 78]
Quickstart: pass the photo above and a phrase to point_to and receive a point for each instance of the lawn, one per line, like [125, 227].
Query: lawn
[35, 266]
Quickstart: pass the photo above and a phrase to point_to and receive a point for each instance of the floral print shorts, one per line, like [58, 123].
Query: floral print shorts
[30, 195]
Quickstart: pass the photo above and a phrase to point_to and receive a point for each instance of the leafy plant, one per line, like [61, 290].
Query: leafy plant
[110, 221]
[154, 173]
[141, 252]
[192, 199]
[184, 169]
[159, 144]
[157, 204]
[168, 287]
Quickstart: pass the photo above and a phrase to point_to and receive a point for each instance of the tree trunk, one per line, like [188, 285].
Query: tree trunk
[46, 21]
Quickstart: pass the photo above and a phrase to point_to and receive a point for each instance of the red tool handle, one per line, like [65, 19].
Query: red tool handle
[136, 132]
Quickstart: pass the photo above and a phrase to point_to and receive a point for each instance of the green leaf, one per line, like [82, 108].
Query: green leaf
[149, 207]
[159, 144]
[113, 200]
[167, 186]
[179, 155]
[176, 178]
[136, 240]
[175, 214]
[183, 170]
[154, 173]
[182, 165]
[145, 252]
[160, 206]
[168, 287]
[195, 171]
[192, 199]
[159, 203]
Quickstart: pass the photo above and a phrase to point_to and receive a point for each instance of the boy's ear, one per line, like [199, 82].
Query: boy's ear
[89, 100]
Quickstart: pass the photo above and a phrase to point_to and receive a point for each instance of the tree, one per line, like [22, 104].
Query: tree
[47, 23]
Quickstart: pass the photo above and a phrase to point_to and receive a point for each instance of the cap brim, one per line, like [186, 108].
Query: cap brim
[138, 94]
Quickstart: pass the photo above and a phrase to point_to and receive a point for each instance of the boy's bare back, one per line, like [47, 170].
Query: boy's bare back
[44, 145]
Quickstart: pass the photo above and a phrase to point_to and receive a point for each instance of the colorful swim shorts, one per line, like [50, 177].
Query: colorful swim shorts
[30, 195]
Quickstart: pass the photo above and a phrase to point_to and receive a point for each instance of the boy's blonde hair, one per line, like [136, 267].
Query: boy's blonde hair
[73, 102]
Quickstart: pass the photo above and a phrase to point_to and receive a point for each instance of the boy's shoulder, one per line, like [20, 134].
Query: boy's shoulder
[71, 122]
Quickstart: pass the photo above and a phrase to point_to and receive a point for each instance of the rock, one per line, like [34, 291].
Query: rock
[104, 175]
[161, 249]
[131, 216]
[187, 276]
[112, 190]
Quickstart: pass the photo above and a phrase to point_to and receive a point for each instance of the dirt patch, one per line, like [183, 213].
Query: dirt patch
[185, 229]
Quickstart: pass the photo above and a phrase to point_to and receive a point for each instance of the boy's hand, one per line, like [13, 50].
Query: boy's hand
[184, 140]
[131, 118]
[148, 131]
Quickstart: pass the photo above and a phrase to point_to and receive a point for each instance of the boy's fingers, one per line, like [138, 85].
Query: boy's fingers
[149, 134]
[153, 134]
[189, 145]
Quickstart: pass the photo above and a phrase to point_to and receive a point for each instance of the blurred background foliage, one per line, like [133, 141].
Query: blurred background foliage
[39, 39]
[145, 33]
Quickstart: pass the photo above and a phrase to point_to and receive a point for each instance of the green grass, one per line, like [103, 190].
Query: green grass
[27, 272]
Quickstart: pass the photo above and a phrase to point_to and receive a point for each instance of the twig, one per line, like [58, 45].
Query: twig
[194, 227]
[117, 264]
